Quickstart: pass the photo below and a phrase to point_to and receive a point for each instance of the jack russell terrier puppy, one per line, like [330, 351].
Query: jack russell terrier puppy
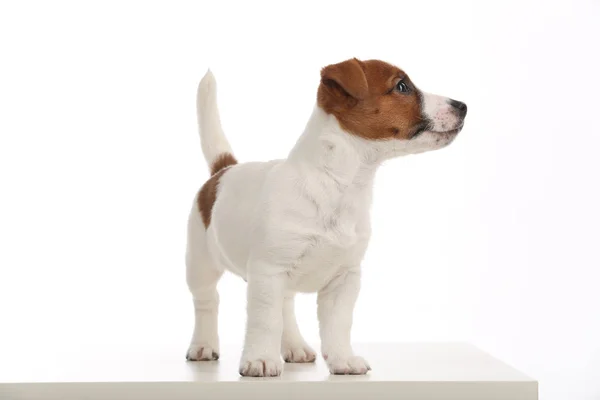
[302, 224]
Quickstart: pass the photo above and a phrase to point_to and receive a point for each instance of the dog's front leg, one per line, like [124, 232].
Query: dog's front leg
[335, 307]
[261, 354]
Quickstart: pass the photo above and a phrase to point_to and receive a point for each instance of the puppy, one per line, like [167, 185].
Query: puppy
[302, 224]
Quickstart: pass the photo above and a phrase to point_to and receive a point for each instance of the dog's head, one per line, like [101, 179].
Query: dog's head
[378, 101]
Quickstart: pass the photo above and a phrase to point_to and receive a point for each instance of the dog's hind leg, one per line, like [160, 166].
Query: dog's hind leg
[202, 277]
[293, 347]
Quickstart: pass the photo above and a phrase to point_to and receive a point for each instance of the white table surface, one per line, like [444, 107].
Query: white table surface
[413, 371]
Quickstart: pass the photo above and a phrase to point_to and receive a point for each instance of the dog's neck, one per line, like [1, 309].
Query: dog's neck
[328, 151]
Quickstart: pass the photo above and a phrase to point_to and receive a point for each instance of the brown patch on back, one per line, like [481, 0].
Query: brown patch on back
[208, 192]
[223, 161]
[376, 111]
[208, 195]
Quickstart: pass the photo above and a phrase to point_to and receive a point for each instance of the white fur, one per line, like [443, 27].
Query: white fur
[213, 139]
[440, 112]
[286, 226]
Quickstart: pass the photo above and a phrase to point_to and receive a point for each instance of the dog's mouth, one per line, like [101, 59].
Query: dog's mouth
[426, 126]
[451, 131]
[447, 133]
[420, 128]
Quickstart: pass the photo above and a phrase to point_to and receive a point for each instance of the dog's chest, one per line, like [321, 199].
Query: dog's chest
[339, 243]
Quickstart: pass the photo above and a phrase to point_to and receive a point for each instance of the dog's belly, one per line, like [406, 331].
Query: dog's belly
[313, 271]
[315, 268]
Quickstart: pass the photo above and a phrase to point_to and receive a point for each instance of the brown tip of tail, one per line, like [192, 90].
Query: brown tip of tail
[223, 161]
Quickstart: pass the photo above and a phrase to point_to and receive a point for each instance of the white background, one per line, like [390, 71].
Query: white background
[492, 240]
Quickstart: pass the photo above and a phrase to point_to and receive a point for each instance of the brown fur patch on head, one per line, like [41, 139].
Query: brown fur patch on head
[375, 111]
[223, 161]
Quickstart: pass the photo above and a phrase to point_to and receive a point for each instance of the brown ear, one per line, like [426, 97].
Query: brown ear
[349, 76]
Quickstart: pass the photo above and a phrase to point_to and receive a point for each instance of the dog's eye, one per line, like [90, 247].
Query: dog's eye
[402, 87]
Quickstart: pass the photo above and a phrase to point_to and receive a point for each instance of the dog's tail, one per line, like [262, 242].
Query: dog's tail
[216, 148]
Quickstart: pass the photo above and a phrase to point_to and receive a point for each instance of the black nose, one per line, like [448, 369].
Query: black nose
[460, 107]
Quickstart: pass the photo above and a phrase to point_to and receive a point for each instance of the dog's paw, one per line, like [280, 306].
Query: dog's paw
[353, 365]
[298, 354]
[261, 367]
[202, 352]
